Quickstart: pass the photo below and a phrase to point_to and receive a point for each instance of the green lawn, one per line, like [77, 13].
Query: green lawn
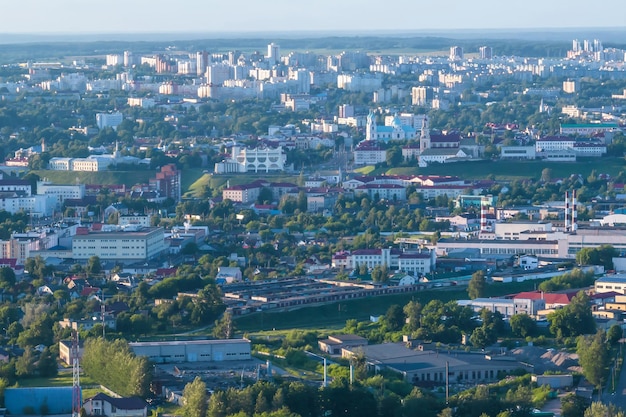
[507, 170]
[101, 177]
[333, 316]
[64, 379]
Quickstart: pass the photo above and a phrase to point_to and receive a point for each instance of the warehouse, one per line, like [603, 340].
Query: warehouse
[194, 350]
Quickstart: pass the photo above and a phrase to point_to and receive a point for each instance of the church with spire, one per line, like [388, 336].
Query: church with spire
[394, 130]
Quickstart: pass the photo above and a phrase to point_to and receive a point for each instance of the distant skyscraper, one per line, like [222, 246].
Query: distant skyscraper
[128, 59]
[420, 96]
[597, 45]
[456, 53]
[273, 53]
[202, 60]
[346, 110]
[485, 52]
[576, 46]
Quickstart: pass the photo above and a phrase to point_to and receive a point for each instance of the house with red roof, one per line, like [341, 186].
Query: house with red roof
[553, 299]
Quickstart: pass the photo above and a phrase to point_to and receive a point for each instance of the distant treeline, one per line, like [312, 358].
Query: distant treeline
[386, 44]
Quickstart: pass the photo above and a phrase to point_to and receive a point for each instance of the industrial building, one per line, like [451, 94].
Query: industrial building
[129, 243]
[194, 350]
[428, 367]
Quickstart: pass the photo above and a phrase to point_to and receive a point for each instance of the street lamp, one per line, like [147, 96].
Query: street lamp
[325, 383]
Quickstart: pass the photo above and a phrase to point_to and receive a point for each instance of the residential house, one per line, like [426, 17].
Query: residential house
[104, 405]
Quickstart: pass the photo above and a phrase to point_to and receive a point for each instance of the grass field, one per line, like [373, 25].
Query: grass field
[334, 316]
[64, 379]
[217, 181]
[101, 177]
[507, 170]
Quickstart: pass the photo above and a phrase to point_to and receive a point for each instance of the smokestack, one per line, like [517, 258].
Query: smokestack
[483, 214]
[566, 210]
[574, 212]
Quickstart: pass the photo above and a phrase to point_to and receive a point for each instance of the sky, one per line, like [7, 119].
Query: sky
[240, 16]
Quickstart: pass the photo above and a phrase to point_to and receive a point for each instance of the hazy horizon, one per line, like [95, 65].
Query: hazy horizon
[144, 17]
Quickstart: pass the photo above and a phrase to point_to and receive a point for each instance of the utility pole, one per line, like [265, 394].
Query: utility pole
[447, 381]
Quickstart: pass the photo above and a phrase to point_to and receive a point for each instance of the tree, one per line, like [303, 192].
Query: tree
[195, 399]
[523, 325]
[546, 175]
[602, 255]
[25, 365]
[47, 365]
[598, 409]
[482, 337]
[573, 405]
[94, 266]
[413, 313]
[224, 326]
[7, 278]
[394, 318]
[593, 356]
[614, 334]
[476, 286]
[574, 319]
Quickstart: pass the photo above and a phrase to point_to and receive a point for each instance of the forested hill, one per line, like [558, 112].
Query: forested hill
[15, 52]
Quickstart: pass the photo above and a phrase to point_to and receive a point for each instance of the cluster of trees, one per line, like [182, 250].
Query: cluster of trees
[374, 397]
[602, 255]
[574, 319]
[569, 280]
[114, 365]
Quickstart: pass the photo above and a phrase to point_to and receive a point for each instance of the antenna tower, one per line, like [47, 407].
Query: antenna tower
[76, 392]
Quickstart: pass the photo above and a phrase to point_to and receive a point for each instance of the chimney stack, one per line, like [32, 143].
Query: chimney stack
[566, 210]
[483, 214]
[574, 212]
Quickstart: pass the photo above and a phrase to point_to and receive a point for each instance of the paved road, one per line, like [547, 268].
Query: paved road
[619, 398]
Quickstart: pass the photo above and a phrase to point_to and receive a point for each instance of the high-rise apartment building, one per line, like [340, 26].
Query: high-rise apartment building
[456, 53]
[485, 52]
[273, 53]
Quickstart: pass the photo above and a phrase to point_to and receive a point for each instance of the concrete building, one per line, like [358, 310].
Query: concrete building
[588, 128]
[611, 283]
[570, 86]
[262, 159]
[421, 96]
[506, 306]
[112, 120]
[416, 263]
[193, 350]
[61, 192]
[427, 368]
[485, 52]
[334, 344]
[369, 152]
[456, 53]
[134, 219]
[65, 351]
[21, 187]
[132, 243]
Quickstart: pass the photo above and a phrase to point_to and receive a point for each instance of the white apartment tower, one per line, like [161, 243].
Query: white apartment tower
[485, 52]
[202, 60]
[273, 53]
[420, 96]
[456, 53]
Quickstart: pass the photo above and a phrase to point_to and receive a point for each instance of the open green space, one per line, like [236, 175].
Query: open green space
[194, 186]
[128, 178]
[334, 316]
[62, 380]
[507, 170]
